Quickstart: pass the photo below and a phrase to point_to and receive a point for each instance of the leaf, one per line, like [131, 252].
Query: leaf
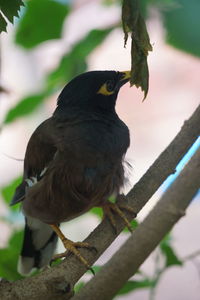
[74, 62]
[170, 257]
[70, 65]
[79, 286]
[133, 23]
[132, 285]
[8, 191]
[24, 107]
[10, 8]
[134, 225]
[97, 211]
[42, 21]
[182, 23]
[96, 269]
[3, 23]
[9, 257]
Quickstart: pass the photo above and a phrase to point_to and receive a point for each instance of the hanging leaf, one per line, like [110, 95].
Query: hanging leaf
[134, 24]
[42, 21]
[10, 9]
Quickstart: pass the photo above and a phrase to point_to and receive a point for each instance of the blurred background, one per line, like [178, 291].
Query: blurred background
[53, 41]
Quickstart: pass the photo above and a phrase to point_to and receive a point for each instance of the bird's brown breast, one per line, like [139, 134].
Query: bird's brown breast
[83, 168]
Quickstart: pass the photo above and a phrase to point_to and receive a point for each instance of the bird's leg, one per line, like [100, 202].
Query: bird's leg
[109, 208]
[71, 246]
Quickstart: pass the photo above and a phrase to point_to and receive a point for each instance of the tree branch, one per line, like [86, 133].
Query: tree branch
[126, 261]
[57, 282]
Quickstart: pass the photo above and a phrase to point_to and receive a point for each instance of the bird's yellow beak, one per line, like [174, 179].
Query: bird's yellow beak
[126, 75]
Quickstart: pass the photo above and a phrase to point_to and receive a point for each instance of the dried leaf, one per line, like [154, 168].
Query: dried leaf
[134, 24]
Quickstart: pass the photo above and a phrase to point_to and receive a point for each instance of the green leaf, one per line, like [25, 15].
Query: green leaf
[9, 257]
[74, 62]
[24, 107]
[79, 286]
[97, 211]
[96, 269]
[171, 258]
[182, 23]
[10, 8]
[134, 225]
[133, 23]
[8, 192]
[3, 23]
[132, 285]
[42, 21]
[70, 65]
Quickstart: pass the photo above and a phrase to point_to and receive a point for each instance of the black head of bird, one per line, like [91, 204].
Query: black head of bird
[93, 90]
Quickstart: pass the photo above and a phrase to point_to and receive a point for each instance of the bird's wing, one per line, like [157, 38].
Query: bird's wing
[39, 153]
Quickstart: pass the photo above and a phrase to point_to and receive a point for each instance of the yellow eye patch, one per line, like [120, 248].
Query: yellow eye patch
[104, 91]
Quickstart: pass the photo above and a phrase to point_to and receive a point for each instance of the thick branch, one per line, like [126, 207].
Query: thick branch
[57, 282]
[146, 237]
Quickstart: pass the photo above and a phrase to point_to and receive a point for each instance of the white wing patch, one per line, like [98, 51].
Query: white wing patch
[43, 171]
[33, 180]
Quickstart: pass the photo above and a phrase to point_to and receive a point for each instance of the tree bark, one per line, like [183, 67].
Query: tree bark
[126, 261]
[57, 282]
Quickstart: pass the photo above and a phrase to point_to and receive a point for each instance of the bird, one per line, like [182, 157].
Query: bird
[73, 162]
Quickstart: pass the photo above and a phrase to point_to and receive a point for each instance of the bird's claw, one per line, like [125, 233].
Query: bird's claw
[71, 247]
[109, 208]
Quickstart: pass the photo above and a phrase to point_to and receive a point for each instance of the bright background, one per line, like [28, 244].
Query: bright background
[172, 98]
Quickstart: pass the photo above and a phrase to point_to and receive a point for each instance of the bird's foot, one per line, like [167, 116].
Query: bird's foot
[109, 208]
[71, 247]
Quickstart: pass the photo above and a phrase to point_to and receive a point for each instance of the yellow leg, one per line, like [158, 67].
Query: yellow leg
[72, 247]
[109, 208]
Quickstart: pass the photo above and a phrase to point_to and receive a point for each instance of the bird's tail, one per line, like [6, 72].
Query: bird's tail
[38, 246]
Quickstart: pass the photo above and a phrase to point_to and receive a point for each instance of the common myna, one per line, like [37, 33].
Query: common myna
[73, 162]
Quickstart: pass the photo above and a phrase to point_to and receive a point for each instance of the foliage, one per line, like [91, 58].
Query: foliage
[9, 257]
[8, 190]
[24, 107]
[42, 21]
[8, 10]
[182, 24]
[74, 62]
[70, 65]
[132, 285]
[42, 13]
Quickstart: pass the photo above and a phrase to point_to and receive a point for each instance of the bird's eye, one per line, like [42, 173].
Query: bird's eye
[110, 85]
